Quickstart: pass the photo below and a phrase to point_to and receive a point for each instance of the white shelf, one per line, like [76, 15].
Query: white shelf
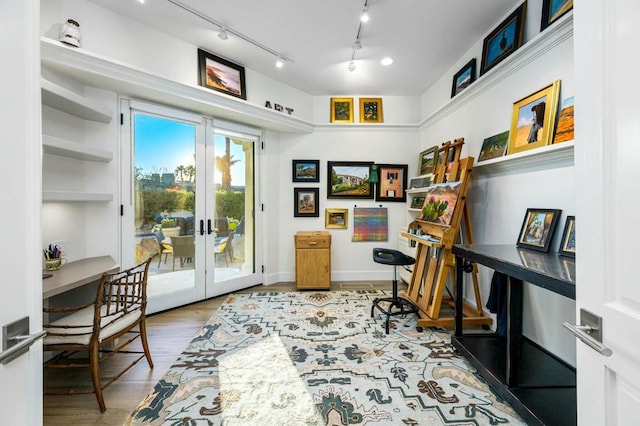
[63, 99]
[417, 190]
[63, 148]
[543, 158]
[76, 196]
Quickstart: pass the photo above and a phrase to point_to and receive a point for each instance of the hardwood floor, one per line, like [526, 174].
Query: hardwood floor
[168, 333]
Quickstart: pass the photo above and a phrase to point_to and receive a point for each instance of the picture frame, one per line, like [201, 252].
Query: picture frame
[494, 146]
[552, 10]
[463, 78]
[417, 201]
[306, 202]
[420, 182]
[568, 241]
[428, 161]
[565, 126]
[305, 170]
[342, 110]
[505, 39]
[349, 179]
[392, 182]
[221, 75]
[537, 229]
[371, 110]
[533, 119]
[336, 218]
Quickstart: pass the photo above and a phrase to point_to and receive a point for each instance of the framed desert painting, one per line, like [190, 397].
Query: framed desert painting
[533, 119]
[537, 229]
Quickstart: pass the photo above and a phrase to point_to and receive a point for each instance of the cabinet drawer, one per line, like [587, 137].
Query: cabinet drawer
[313, 240]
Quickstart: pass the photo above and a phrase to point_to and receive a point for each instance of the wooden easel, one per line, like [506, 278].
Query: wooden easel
[434, 261]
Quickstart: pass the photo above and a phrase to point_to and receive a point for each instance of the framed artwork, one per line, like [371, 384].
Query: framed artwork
[349, 179]
[564, 130]
[336, 218]
[463, 78]
[504, 39]
[533, 119]
[494, 146]
[342, 110]
[371, 110]
[221, 75]
[427, 162]
[305, 170]
[537, 229]
[552, 10]
[440, 202]
[568, 242]
[370, 224]
[419, 182]
[392, 182]
[417, 201]
[305, 202]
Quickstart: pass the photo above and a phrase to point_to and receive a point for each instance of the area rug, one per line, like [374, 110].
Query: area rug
[318, 358]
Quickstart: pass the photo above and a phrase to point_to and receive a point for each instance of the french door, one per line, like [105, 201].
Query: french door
[188, 201]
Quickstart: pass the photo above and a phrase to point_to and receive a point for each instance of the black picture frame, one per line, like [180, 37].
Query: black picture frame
[306, 202]
[221, 75]
[305, 171]
[349, 179]
[463, 78]
[538, 228]
[392, 182]
[505, 39]
[552, 10]
[568, 241]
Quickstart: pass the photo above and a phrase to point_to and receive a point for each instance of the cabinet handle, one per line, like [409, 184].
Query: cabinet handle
[313, 243]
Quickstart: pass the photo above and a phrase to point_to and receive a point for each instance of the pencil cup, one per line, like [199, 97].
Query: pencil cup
[54, 264]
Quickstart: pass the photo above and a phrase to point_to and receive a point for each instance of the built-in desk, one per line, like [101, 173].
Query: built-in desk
[538, 385]
[76, 274]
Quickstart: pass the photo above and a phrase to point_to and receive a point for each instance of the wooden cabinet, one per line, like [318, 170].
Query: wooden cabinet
[313, 259]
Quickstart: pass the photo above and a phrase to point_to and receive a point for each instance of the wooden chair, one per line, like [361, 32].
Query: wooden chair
[102, 328]
[184, 248]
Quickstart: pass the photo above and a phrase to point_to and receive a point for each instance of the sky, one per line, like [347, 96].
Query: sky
[161, 145]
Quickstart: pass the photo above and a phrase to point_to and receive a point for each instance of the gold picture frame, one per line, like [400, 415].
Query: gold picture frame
[533, 119]
[371, 110]
[342, 110]
[336, 218]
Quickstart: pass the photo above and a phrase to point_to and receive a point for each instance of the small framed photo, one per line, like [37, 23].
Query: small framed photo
[417, 201]
[371, 110]
[533, 119]
[538, 228]
[552, 10]
[494, 146]
[463, 78]
[349, 179]
[336, 218]
[420, 182]
[568, 242]
[305, 202]
[564, 129]
[428, 161]
[219, 74]
[342, 110]
[504, 39]
[305, 170]
[392, 182]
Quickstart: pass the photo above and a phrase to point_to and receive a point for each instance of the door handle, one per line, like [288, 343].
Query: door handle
[16, 339]
[201, 227]
[209, 230]
[589, 331]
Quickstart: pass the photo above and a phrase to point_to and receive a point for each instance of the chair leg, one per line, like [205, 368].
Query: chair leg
[145, 343]
[94, 355]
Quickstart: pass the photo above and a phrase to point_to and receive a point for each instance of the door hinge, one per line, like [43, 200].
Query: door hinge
[262, 268]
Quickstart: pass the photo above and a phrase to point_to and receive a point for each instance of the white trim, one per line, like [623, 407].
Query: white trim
[167, 112]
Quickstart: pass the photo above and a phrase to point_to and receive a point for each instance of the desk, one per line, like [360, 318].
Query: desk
[540, 387]
[76, 274]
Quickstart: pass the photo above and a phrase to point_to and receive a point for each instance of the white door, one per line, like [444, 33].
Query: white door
[20, 171]
[607, 156]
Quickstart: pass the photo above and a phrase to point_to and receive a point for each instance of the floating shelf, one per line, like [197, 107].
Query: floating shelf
[63, 148]
[76, 196]
[58, 97]
[546, 157]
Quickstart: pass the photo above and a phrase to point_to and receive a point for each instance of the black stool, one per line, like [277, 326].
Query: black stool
[395, 258]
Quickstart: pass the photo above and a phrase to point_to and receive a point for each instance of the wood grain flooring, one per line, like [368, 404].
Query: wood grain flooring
[168, 333]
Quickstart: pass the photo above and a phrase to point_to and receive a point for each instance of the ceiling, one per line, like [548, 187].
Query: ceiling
[424, 38]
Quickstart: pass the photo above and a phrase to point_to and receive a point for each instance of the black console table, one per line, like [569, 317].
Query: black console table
[540, 387]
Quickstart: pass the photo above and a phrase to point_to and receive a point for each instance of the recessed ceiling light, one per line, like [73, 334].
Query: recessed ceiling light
[141, 1]
[386, 61]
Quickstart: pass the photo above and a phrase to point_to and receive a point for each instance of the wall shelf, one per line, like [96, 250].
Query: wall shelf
[64, 148]
[544, 158]
[58, 97]
[76, 196]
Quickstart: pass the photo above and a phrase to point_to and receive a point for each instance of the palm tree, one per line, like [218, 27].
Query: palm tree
[180, 172]
[190, 172]
[224, 163]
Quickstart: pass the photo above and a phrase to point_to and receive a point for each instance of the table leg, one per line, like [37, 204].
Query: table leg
[514, 330]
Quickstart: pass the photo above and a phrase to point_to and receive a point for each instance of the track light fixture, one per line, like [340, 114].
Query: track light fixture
[279, 63]
[352, 66]
[222, 35]
[357, 45]
[365, 15]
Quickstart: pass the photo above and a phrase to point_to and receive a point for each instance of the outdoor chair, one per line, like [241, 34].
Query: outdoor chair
[184, 248]
[101, 328]
[163, 247]
[224, 248]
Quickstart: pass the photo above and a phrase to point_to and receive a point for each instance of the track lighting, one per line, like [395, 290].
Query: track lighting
[357, 45]
[365, 15]
[222, 35]
[279, 63]
[352, 66]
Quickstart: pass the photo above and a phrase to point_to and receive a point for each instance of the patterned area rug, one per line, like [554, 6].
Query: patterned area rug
[318, 358]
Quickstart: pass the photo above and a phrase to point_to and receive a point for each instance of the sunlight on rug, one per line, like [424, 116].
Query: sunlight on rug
[318, 358]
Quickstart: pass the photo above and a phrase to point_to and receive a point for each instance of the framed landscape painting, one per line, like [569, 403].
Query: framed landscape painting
[533, 119]
[219, 74]
[342, 110]
[494, 146]
[564, 130]
[306, 170]
[305, 202]
[552, 10]
[568, 242]
[427, 162]
[336, 218]
[464, 77]
[538, 228]
[349, 179]
[504, 39]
